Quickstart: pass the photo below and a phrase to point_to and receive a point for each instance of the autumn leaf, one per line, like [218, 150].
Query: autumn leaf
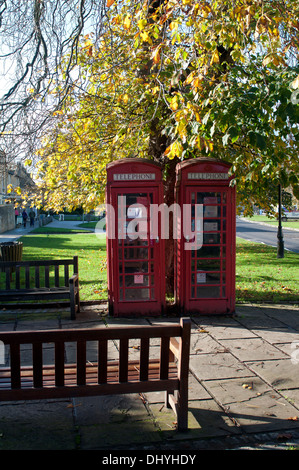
[295, 83]
[156, 55]
[127, 22]
[110, 2]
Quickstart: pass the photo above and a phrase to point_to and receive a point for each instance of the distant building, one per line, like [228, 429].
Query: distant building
[16, 175]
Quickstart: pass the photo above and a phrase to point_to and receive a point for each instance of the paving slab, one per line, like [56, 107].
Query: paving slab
[278, 335]
[113, 421]
[258, 319]
[292, 395]
[217, 366]
[224, 328]
[206, 419]
[203, 343]
[269, 411]
[236, 390]
[37, 425]
[280, 374]
[251, 349]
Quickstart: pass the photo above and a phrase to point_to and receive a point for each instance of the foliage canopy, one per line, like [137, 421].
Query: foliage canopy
[177, 79]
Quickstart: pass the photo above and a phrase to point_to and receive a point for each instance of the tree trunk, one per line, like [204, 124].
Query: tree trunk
[157, 146]
[169, 185]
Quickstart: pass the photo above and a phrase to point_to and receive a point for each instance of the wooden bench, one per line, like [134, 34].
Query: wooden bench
[167, 371]
[40, 280]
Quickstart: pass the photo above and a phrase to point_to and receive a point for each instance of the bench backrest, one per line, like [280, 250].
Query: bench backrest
[36, 273]
[167, 334]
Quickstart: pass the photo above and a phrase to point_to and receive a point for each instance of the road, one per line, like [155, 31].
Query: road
[267, 234]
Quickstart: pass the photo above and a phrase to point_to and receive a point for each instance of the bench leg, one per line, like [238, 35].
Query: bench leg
[182, 412]
[179, 404]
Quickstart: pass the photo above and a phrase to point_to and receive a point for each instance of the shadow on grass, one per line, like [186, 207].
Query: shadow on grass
[252, 295]
[60, 246]
[261, 255]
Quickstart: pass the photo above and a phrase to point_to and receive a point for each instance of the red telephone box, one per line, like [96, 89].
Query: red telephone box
[136, 279]
[205, 251]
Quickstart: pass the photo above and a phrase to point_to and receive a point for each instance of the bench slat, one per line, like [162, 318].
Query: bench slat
[164, 358]
[144, 358]
[47, 277]
[37, 278]
[17, 277]
[81, 362]
[59, 363]
[66, 275]
[70, 377]
[123, 359]
[15, 366]
[56, 276]
[8, 274]
[102, 358]
[27, 277]
[37, 357]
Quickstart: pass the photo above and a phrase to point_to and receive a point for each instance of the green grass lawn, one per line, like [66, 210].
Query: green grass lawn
[273, 221]
[260, 276]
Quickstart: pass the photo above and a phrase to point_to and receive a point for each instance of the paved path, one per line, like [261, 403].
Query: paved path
[265, 233]
[13, 235]
[243, 390]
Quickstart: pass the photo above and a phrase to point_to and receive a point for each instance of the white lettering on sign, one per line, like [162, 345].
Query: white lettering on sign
[207, 176]
[133, 176]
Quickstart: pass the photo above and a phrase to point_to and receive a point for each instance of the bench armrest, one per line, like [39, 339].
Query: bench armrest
[74, 278]
[174, 347]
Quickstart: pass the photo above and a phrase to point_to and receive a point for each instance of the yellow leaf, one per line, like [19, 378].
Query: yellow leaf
[127, 22]
[173, 26]
[295, 83]
[142, 24]
[156, 55]
[175, 150]
[181, 129]
[174, 103]
[215, 57]
[189, 78]
[144, 36]
[125, 98]
[110, 2]
[268, 59]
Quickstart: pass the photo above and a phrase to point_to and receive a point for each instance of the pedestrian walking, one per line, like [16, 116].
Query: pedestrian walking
[32, 217]
[16, 216]
[25, 217]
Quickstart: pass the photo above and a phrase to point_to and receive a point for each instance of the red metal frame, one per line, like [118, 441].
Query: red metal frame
[205, 278]
[136, 277]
